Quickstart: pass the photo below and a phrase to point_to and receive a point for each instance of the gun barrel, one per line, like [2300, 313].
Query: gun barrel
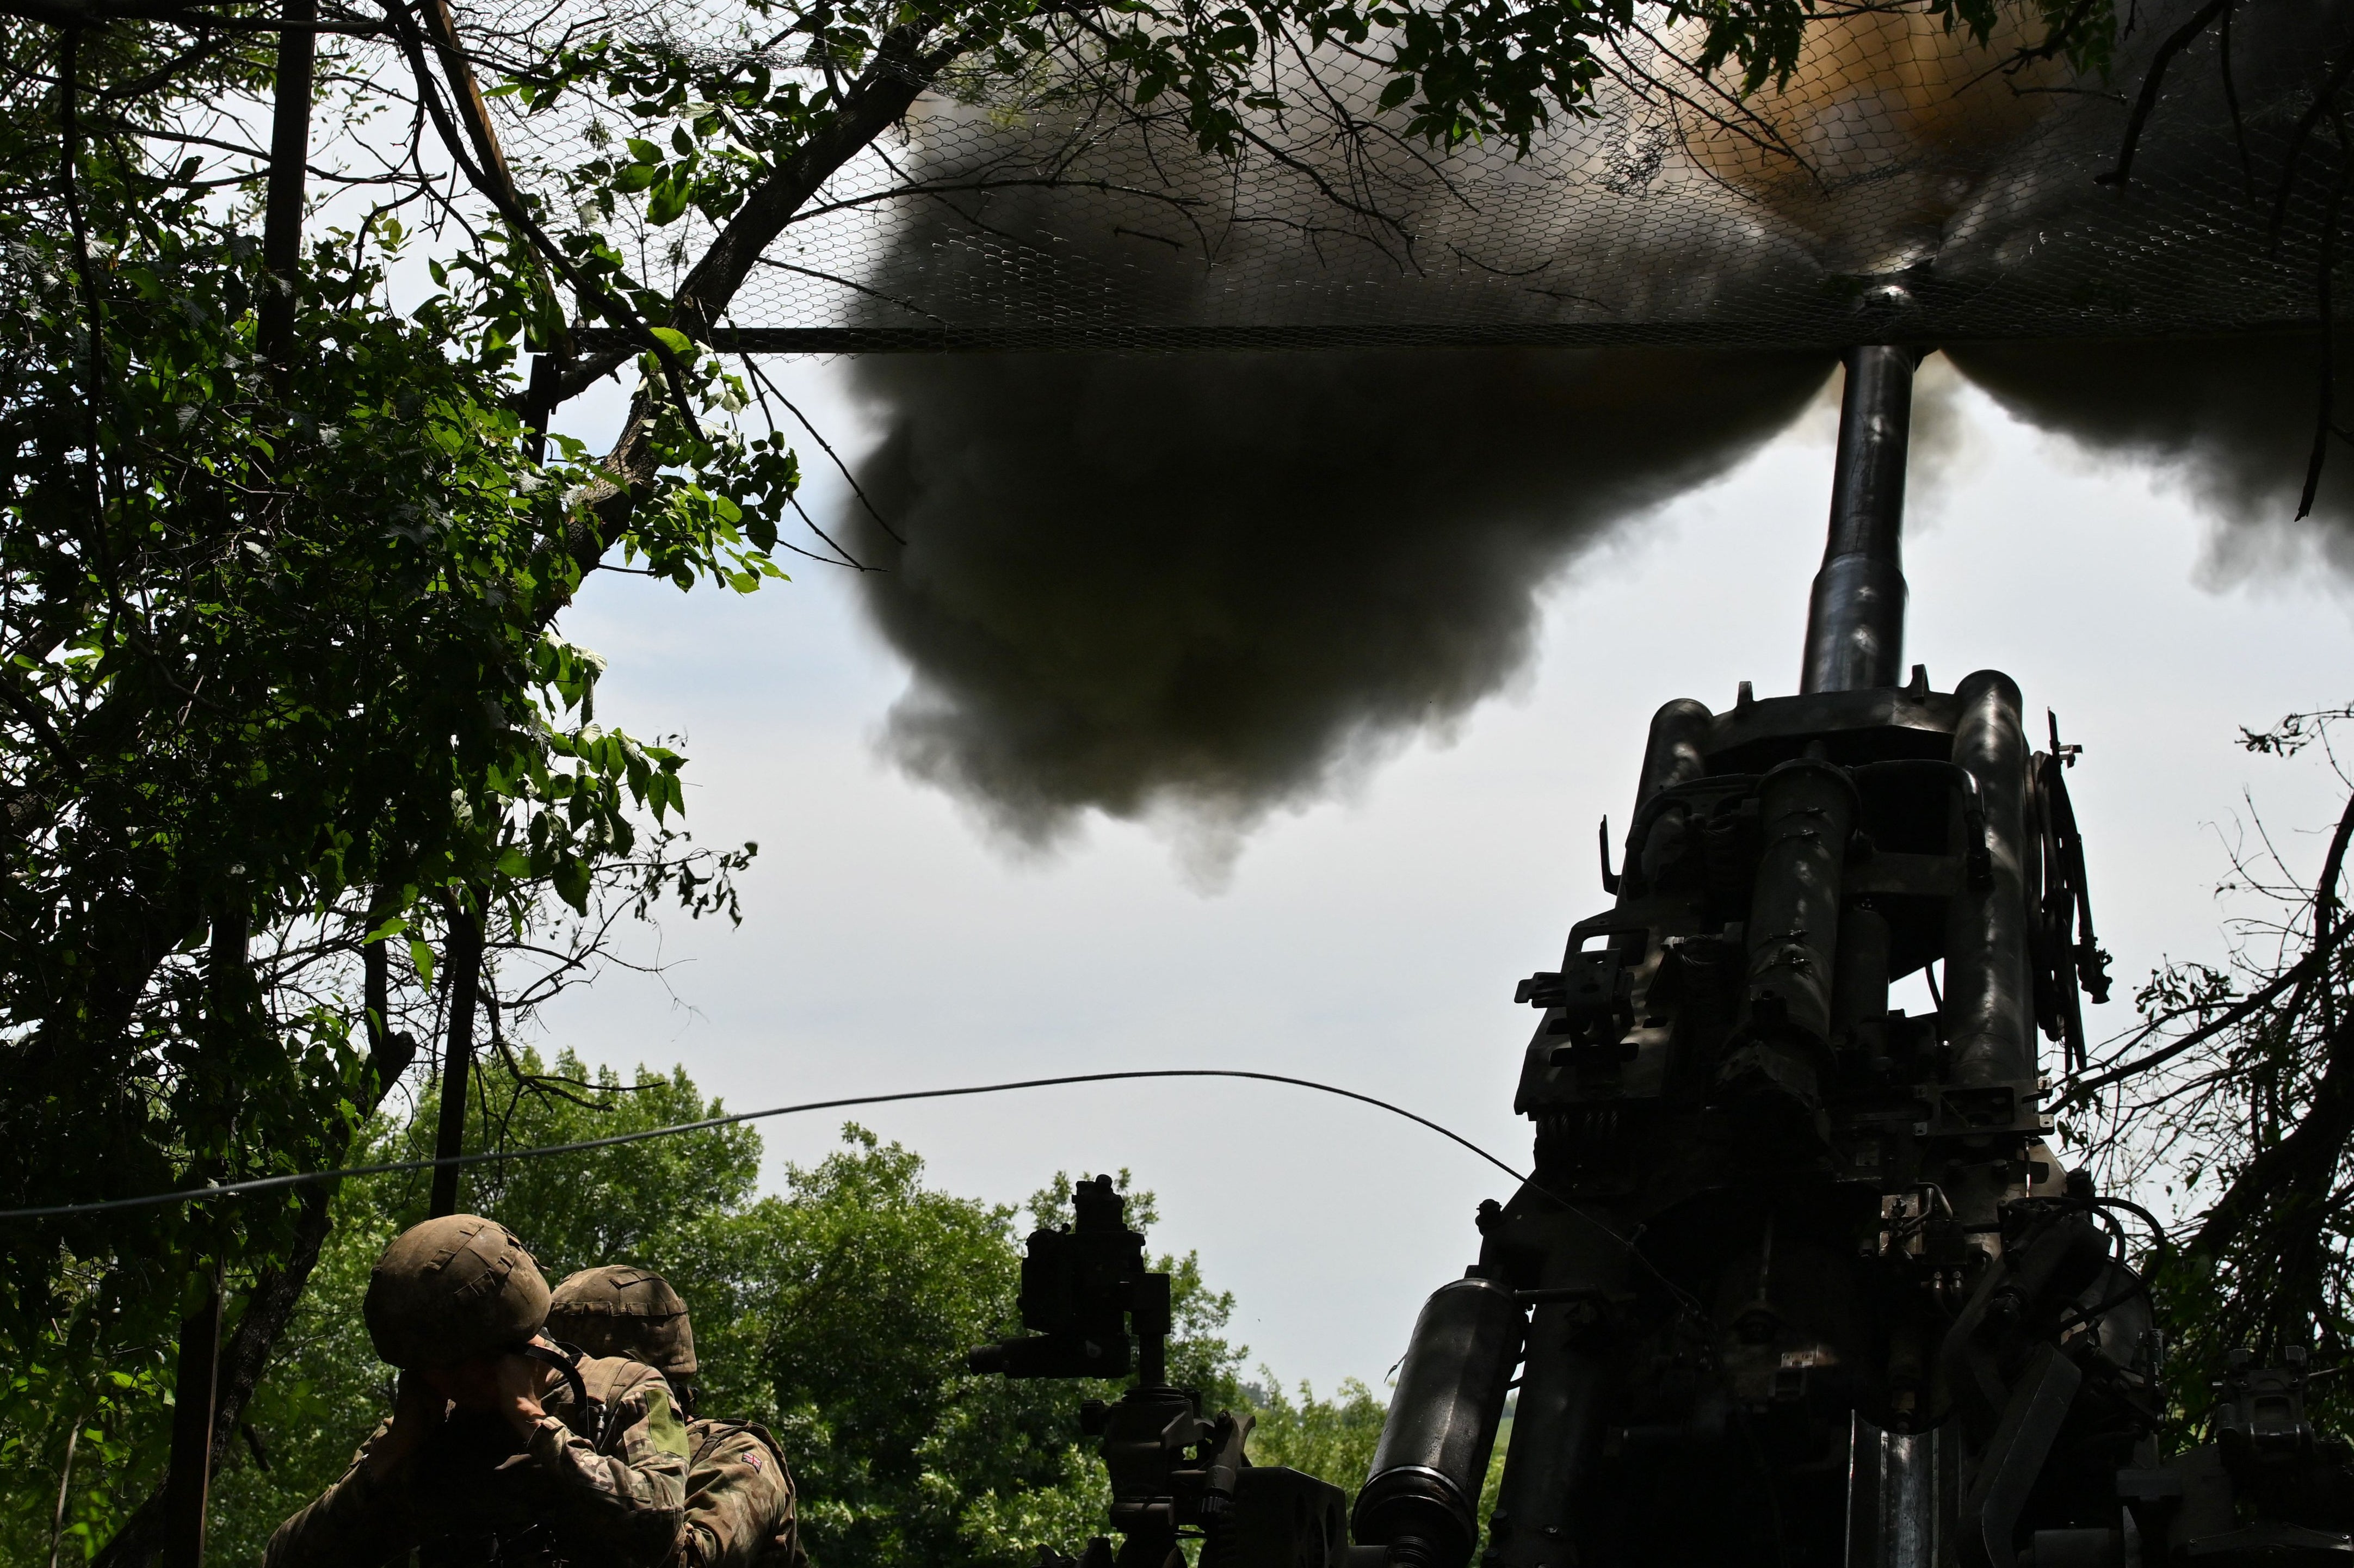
[1855, 619]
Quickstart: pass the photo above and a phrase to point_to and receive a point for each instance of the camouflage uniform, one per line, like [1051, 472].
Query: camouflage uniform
[739, 1496]
[740, 1501]
[477, 1495]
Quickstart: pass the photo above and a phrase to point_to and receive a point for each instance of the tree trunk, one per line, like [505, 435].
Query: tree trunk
[463, 954]
[290, 152]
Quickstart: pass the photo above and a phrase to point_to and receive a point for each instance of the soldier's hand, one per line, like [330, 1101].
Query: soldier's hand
[519, 1381]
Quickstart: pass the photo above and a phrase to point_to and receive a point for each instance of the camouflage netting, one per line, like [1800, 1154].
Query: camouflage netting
[1904, 185]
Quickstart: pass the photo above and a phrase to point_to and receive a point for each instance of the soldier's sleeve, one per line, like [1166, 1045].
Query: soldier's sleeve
[626, 1494]
[359, 1522]
[739, 1501]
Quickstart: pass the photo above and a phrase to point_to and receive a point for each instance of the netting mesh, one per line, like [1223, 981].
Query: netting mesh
[1903, 186]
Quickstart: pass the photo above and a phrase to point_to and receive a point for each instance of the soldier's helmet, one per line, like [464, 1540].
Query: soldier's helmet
[451, 1289]
[621, 1310]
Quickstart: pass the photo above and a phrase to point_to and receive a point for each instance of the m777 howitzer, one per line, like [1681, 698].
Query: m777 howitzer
[1796, 1280]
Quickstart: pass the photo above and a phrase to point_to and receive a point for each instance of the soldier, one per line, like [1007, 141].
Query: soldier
[501, 1447]
[739, 1496]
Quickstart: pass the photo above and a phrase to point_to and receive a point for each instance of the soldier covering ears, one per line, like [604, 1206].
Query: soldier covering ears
[501, 1448]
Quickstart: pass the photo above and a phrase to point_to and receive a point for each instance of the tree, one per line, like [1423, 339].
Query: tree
[2231, 1107]
[278, 692]
[1333, 1438]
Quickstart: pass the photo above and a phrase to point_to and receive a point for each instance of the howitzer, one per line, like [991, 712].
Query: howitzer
[1796, 1278]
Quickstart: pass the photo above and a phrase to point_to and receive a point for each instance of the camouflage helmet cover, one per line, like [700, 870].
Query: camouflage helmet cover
[622, 1310]
[450, 1289]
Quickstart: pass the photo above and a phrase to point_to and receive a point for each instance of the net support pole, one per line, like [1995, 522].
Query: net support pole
[1855, 619]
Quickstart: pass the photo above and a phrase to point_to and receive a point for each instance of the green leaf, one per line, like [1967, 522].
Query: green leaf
[668, 201]
[572, 883]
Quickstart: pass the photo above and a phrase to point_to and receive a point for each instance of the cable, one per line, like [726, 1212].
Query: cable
[2163, 1241]
[275, 1183]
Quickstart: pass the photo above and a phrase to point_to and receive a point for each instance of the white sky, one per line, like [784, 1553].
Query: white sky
[1374, 941]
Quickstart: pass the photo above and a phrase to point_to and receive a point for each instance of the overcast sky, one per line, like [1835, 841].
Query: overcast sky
[1373, 940]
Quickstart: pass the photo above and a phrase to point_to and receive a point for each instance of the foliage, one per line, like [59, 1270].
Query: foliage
[1332, 1438]
[2231, 1107]
[81, 1440]
[1763, 37]
[279, 685]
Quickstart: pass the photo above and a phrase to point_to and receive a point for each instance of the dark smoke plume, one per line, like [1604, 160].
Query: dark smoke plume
[1207, 582]
[2229, 421]
[1203, 586]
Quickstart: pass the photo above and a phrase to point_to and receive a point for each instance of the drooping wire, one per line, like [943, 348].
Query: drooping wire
[296, 1179]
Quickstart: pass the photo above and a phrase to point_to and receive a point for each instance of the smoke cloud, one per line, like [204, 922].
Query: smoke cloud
[2229, 422]
[1204, 586]
[1198, 587]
